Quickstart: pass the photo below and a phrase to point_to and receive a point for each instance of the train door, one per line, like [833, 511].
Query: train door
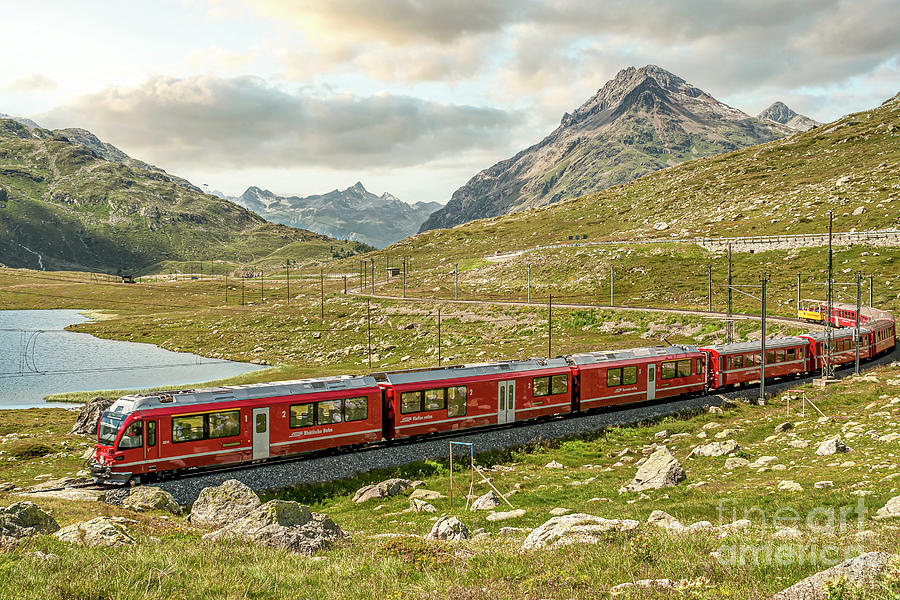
[260, 433]
[651, 382]
[151, 449]
[506, 401]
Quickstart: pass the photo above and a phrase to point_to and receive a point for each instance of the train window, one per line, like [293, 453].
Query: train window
[559, 384]
[329, 411]
[721, 363]
[770, 357]
[669, 370]
[151, 434]
[684, 368]
[791, 354]
[224, 424]
[540, 386]
[187, 429]
[435, 400]
[356, 409]
[629, 375]
[779, 355]
[456, 401]
[699, 367]
[613, 377]
[302, 415]
[133, 436]
[737, 361]
[410, 402]
[261, 423]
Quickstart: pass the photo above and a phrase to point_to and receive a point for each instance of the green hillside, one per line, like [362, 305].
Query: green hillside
[62, 206]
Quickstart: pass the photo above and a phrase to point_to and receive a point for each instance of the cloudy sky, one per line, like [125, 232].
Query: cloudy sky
[408, 96]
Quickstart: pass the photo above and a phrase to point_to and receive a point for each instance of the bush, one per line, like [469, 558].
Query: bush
[29, 450]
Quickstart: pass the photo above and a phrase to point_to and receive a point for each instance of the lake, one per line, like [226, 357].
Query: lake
[38, 357]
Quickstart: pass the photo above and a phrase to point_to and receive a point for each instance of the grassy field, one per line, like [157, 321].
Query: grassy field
[288, 332]
[170, 561]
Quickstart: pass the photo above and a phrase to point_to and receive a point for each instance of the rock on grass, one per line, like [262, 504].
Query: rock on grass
[862, 571]
[576, 528]
[661, 469]
[219, 505]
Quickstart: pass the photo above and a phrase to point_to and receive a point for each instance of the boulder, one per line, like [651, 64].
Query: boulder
[782, 427]
[146, 497]
[661, 469]
[862, 571]
[736, 462]
[383, 489]
[577, 528]
[554, 465]
[503, 516]
[715, 449]
[762, 461]
[89, 417]
[891, 510]
[823, 485]
[448, 528]
[489, 501]
[217, 506]
[832, 446]
[283, 525]
[22, 520]
[100, 531]
[423, 494]
[789, 486]
[421, 506]
[559, 511]
[664, 520]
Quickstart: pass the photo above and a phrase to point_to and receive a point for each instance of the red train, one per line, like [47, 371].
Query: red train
[141, 436]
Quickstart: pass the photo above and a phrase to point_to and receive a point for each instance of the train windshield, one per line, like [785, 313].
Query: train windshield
[109, 427]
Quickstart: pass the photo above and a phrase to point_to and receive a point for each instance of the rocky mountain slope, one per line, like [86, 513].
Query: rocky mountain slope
[68, 200]
[351, 214]
[641, 121]
[779, 112]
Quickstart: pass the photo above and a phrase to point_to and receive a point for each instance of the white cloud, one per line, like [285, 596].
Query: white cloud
[245, 122]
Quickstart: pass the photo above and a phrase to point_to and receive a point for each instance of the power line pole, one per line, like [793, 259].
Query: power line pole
[612, 287]
[709, 290]
[345, 284]
[322, 293]
[456, 278]
[828, 362]
[798, 291]
[439, 335]
[856, 332]
[529, 283]
[550, 327]
[404, 277]
[369, 330]
[373, 275]
[262, 288]
[871, 277]
[226, 287]
[287, 276]
[764, 279]
[729, 324]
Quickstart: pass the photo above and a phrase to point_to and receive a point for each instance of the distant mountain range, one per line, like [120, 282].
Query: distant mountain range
[642, 120]
[71, 201]
[780, 113]
[353, 214]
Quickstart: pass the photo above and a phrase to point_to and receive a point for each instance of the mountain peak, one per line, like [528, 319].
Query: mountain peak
[779, 112]
[357, 187]
[648, 81]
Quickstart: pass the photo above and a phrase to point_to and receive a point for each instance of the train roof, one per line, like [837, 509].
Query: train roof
[752, 346]
[133, 402]
[473, 370]
[589, 358]
[839, 333]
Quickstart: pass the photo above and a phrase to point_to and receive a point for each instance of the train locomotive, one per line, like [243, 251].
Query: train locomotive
[143, 437]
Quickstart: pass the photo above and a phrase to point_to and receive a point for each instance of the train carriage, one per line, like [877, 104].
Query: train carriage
[169, 431]
[843, 350]
[610, 378]
[883, 334]
[444, 399]
[741, 363]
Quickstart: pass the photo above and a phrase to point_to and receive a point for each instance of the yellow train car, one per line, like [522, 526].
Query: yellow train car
[810, 310]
